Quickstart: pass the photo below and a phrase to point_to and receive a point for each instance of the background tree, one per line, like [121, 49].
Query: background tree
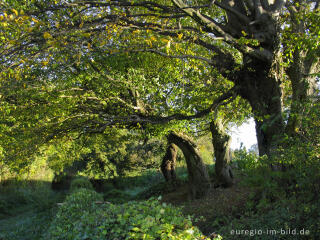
[168, 163]
[221, 143]
[199, 181]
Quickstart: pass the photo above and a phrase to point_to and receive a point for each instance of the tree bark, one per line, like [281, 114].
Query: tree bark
[260, 85]
[304, 85]
[221, 144]
[199, 181]
[168, 164]
[302, 73]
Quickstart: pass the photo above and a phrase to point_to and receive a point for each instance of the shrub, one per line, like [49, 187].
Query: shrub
[133, 220]
[76, 205]
[246, 160]
[289, 218]
[80, 182]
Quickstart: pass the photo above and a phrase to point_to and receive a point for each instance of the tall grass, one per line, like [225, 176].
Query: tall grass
[27, 203]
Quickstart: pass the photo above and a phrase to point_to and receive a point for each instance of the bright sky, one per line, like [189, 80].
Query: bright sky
[246, 133]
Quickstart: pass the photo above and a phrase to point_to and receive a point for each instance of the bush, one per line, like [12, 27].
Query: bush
[289, 218]
[79, 219]
[80, 182]
[246, 160]
[80, 202]
[282, 200]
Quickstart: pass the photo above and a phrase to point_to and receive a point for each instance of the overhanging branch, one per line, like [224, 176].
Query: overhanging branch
[183, 56]
[217, 29]
[135, 118]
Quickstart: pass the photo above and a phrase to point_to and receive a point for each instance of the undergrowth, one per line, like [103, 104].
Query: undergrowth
[26, 208]
[83, 216]
[284, 204]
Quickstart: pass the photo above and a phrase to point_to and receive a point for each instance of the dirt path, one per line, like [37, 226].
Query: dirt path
[219, 203]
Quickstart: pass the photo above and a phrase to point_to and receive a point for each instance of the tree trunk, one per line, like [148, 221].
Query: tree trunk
[304, 84]
[302, 73]
[169, 163]
[221, 145]
[260, 86]
[199, 181]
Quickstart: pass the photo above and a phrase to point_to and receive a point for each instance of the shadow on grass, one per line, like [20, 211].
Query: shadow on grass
[26, 208]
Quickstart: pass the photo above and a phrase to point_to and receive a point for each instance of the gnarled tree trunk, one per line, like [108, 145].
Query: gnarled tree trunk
[258, 83]
[258, 78]
[168, 164]
[221, 145]
[199, 180]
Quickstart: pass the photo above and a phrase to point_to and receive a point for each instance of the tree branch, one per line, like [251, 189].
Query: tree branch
[184, 56]
[239, 15]
[261, 54]
[161, 120]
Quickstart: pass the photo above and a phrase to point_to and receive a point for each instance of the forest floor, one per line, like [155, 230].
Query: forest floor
[219, 205]
[29, 223]
[26, 209]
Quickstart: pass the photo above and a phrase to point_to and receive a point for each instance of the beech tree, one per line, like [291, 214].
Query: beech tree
[221, 142]
[260, 50]
[168, 163]
[199, 181]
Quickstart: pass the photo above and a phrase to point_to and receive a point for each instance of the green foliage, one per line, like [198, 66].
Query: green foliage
[80, 201]
[245, 160]
[80, 182]
[69, 89]
[299, 154]
[138, 178]
[65, 77]
[301, 41]
[287, 217]
[286, 200]
[131, 156]
[121, 153]
[80, 218]
[204, 144]
[107, 186]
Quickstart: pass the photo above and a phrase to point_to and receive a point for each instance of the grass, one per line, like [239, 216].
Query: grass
[27, 208]
[28, 223]
[255, 201]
